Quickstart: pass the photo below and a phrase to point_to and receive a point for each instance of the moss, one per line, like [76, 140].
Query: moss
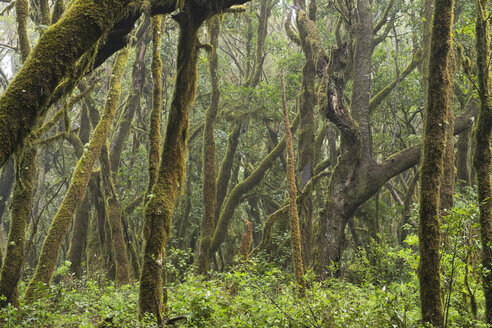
[118, 241]
[432, 163]
[79, 236]
[307, 100]
[295, 232]
[246, 240]
[22, 12]
[160, 205]
[55, 56]
[116, 245]
[482, 157]
[132, 104]
[78, 185]
[44, 8]
[25, 171]
[155, 115]
[58, 9]
[446, 192]
[225, 169]
[243, 187]
[265, 12]
[209, 190]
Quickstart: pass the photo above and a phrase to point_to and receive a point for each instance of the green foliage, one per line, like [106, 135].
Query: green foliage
[72, 303]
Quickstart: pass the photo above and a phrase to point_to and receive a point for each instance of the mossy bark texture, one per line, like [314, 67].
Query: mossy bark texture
[225, 169]
[117, 245]
[482, 158]
[434, 145]
[307, 101]
[28, 95]
[234, 198]
[161, 201]
[78, 185]
[295, 232]
[246, 240]
[209, 190]
[462, 157]
[132, 105]
[6, 184]
[78, 241]
[25, 171]
[79, 236]
[446, 192]
[155, 115]
[22, 13]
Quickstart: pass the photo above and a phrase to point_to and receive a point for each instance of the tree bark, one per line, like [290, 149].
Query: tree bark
[434, 145]
[482, 157]
[295, 232]
[28, 96]
[25, 171]
[78, 185]
[160, 206]
[209, 190]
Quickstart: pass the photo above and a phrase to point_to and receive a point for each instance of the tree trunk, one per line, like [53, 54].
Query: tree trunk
[434, 145]
[79, 236]
[462, 157]
[78, 185]
[295, 232]
[482, 158]
[6, 183]
[28, 96]
[114, 217]
[160, 206]
[307, 101]
[208, 169]
[25, 171]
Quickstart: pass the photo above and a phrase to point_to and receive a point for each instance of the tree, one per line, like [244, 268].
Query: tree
[160, 206]
[433, 151]
[78, 185]
[482, 158]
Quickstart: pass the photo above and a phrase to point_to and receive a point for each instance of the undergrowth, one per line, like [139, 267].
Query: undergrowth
[378, 287]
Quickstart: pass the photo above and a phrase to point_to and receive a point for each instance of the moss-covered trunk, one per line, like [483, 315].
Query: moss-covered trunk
[78, 185]
[462, 158]
[82, 214]
[446, 192]
[243, 187]
[307, 101]
[53, 59]
[117, 244]
[25, 171]
[6, 184]
[482, 158]
[434, 145]
[225, 170]
[155, 115]
[96, 238]
[208, 166]
[295, 232]
[79, 236]
[160, 205]
[132, 103]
